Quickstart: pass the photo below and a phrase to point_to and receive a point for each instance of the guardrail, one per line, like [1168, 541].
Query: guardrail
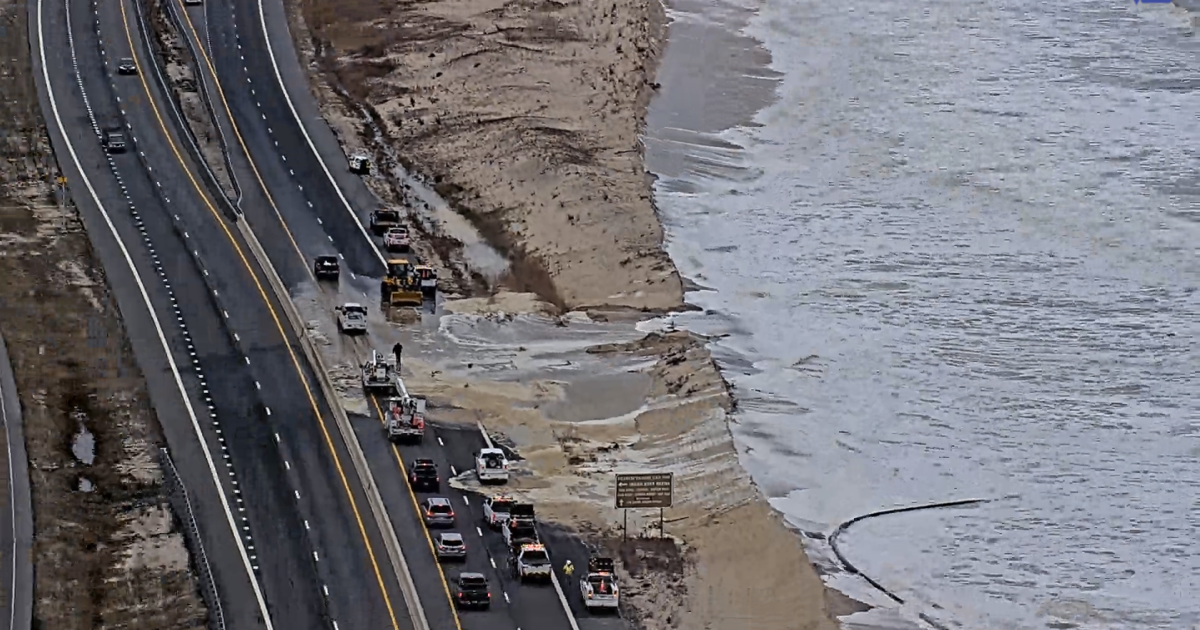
[177, 494]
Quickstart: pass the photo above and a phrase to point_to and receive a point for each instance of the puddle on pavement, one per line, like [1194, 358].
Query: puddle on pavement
[83, 446]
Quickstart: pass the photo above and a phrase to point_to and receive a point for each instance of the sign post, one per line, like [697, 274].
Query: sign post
[644, 490]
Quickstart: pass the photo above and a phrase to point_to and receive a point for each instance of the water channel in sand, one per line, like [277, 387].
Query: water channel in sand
[955, 255]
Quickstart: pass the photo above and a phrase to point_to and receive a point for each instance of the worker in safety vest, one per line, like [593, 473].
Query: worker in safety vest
[569, 568]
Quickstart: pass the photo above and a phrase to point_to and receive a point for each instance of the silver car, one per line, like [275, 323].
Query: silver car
[450, 546]
[437, 512]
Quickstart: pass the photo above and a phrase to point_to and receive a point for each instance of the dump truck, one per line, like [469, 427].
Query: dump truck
[400, 286]
[378, 374]
[384, 219]
[405, 418]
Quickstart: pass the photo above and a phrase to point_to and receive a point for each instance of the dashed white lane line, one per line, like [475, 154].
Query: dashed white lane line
[466, 500]
[493, 561]
[297, 493]
[276, 438]
[268, 410]
[440, 442]
[325, 587]
[316, 558]
[506, 599]
[479, 531]
[306, 525]
[258, 385]
[239, 338]
[287, 464]
[453, 472]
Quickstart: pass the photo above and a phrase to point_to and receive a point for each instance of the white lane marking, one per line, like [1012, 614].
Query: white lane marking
[276, 438]
[212, 469]
[440, 442]
[493, 560]
[306, 525]
[506, 599]
[453, 473]
[268, 410]
[287, 465]
[325, 587]
[479, 531]
[262, 18]
[258, 385]
[297, 493]
[466, 500]
[316, 558]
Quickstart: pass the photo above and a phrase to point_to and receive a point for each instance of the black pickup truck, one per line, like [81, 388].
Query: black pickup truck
[471, 591]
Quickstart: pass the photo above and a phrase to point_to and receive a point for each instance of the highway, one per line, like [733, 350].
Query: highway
[301, 531]
[152, 292]
[16, 526]
[312, 204]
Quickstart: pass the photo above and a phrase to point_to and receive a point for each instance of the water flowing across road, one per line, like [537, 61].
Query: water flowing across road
[956, 256]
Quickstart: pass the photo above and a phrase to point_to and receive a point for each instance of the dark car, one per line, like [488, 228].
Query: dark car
[113, 141]
[471, 591]
[423, 476]
[326, 268]
[126, 66]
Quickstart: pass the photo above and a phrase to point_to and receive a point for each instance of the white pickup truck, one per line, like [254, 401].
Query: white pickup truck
[531, 562]
[491, 466]
[599, 588]
[496, 510]
[351, 318]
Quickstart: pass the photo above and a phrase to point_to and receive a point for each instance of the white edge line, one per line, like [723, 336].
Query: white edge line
[12, 503]
[262, 18]
[212, 469]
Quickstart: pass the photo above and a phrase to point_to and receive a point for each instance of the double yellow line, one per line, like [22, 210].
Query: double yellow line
[133, 49]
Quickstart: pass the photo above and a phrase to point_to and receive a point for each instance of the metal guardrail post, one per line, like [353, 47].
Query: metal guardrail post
[178, 495]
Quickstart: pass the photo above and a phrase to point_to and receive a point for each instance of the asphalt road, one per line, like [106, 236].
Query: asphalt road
[16, 524]
[151, 305]
[319, 558]
[299, 193]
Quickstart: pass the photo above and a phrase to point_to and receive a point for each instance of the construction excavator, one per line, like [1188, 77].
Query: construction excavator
[401, 286]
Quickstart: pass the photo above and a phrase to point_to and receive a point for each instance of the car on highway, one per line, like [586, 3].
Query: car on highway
[360, 164]
[519, 529]
[437, 512]
[351, 318]
[450, 546]
[396, 239]
[126, 66]
[326, 268]
[496, 510]
[423, 475]
[471, 591]
[113, 140]
[491, 466]
[598, 588]
[531, 562]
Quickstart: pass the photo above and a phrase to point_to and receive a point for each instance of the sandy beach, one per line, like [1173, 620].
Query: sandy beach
[525, 117]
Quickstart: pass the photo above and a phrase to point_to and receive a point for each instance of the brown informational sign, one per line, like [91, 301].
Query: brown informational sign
[644, 490]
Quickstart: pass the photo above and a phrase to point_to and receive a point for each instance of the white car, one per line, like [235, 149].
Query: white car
[496, 510]
[351, 318]
[531, 562]
[360, 164]
[491, 466]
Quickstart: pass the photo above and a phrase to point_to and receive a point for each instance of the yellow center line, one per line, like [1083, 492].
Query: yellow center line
[274, 316]
[417, 509]
[241, 142]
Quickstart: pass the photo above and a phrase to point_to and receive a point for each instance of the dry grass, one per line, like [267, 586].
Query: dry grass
[104, 558]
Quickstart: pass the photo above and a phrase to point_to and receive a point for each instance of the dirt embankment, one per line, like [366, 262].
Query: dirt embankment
[105, 554]
[179, 70]
[525, 113]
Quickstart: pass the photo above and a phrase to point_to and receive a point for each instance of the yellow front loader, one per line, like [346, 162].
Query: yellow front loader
[401, 287]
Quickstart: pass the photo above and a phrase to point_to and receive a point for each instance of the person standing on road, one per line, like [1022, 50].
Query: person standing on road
[397, 350]
[569, 569]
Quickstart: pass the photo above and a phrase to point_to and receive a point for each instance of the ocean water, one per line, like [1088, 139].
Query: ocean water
[952, 249]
